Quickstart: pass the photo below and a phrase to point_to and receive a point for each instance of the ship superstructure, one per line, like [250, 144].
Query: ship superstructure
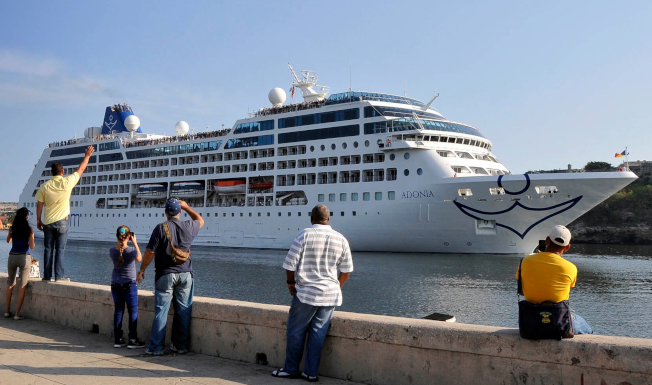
[396, 174]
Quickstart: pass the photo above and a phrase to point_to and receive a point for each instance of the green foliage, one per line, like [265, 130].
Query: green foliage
[597, 166]
[629, 206]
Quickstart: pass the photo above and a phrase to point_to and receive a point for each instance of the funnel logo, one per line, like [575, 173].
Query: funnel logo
[111, 123]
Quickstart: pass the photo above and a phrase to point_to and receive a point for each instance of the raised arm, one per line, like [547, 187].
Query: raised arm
[82, 167]
[192, 213]
[139, 256]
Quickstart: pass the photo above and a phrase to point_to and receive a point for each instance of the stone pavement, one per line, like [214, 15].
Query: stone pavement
[33, 352]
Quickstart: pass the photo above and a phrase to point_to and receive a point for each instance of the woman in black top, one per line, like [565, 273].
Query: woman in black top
[22, 237]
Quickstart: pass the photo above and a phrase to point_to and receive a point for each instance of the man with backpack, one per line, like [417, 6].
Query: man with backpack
[169, 245]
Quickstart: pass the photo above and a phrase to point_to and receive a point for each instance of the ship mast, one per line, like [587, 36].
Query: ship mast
[306, 83]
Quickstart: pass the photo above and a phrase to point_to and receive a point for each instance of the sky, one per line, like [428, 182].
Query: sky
[549, 83]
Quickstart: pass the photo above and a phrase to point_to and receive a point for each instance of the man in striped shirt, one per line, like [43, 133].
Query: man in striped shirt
[311, 266]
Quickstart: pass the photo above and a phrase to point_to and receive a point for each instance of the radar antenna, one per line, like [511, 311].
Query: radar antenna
[425, 108]
[306, 83]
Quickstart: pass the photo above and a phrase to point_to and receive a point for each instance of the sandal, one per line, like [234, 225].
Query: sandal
[283, 374]
[309, 378]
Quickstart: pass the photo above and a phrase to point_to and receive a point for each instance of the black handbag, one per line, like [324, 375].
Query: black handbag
[549, 320]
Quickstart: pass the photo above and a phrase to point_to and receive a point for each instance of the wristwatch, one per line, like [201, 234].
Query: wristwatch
[291, 282]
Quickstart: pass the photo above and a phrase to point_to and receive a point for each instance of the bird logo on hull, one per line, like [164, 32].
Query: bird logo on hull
[512, 217]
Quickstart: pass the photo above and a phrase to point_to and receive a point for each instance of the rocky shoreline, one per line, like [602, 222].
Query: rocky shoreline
[640, 234]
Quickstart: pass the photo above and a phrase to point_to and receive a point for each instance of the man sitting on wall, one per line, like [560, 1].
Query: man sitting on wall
[547, 277]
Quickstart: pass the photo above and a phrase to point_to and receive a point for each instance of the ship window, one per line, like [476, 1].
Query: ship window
[406, 172]
[319, 134]
[299, 213]
[378, 196]
[391, 195]
[464, 192]
[150, 215]
[354, 197]
[223, 214]
[320, 197]
[258, 214]
[331, 197]
[366, 143]
[241, 214]
[312, 148]
[268, 214]
[354, 213]
[497, 191]
[323, 147]
[333, 146]
[342, 197]
[341, 213]
[406, 155]
[279, 214]
[419, 171]
[289, 214]
[365, 196]
[546, 189]
[232, 214]
[392, 156]
[355, 144]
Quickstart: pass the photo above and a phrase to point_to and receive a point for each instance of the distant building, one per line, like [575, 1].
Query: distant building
[556, 171]
[641, 168]
[8, 206]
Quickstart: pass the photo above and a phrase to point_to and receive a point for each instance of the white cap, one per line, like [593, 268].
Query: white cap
[560, 236]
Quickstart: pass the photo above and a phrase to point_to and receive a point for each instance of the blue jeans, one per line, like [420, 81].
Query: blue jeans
[55, 236]
[314, 319]
[177, 287]
[580, 325]
[125, 293]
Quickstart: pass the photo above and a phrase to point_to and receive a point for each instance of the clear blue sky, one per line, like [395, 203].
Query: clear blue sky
[549, 84]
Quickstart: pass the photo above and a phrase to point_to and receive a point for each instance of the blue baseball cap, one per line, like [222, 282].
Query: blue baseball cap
[173, 207]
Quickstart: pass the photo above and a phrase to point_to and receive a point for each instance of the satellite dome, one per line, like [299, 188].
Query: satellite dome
[181, 128]
[132, 123]
[277, 97]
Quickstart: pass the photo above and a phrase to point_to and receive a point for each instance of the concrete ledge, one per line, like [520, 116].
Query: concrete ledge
[367, 348]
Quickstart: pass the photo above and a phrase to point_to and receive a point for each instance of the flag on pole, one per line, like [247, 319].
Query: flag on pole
[621, 154]
[292, 92]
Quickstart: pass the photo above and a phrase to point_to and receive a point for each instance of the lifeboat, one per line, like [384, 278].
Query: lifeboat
[152, 191]
[187, 190]
[262, 185]
[230, 186]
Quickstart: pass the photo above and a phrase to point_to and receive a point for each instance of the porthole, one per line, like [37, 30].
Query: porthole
[366, 143]
[344, 146]
[407, 156]
[419, 171]
[312, 148]
[392, 156]
[355, 144]
[333, 146]
[323, 147]
[406, 172]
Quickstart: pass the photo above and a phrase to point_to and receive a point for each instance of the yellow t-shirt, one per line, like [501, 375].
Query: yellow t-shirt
[547, 277]
[55, 193]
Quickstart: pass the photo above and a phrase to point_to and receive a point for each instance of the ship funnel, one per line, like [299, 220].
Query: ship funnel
[115, 117]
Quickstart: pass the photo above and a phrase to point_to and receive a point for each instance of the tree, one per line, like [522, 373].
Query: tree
[598, 166]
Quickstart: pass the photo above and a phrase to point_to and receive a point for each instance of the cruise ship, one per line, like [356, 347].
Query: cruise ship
[395, 173]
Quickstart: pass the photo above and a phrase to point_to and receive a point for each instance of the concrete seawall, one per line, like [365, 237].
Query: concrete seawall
[366, 348]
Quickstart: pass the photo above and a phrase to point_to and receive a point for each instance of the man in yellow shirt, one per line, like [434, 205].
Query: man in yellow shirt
[547, 277]
[55, 196]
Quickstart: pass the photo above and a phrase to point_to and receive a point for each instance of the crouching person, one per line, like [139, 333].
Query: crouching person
[311, 266]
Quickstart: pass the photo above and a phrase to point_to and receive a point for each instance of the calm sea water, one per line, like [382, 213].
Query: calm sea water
[613, 292]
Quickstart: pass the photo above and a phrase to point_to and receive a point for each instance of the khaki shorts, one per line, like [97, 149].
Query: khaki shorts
[22, 262]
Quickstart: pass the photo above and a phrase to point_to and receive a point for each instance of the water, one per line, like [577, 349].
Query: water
[613, 292]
